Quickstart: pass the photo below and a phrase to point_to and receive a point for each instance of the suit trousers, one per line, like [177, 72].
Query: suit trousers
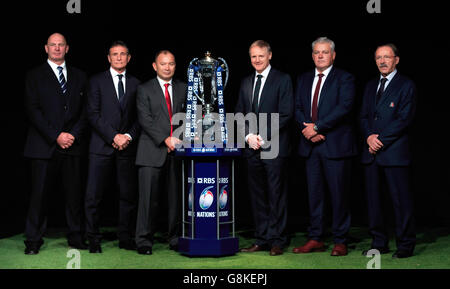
[156, 183]
[45, 174]
[323, 173]
[102, 170]
[398, 184]
[268, 196]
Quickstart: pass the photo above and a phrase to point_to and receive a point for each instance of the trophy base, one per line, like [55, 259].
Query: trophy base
[208, 247]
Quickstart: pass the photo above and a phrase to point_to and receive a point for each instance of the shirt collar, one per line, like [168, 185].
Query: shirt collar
[265, 72]
[54, 66]
[114, 73]
[162, 82]
[390, 75]
[325, 72]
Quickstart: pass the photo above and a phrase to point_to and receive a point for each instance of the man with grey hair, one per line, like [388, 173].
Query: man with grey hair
[323, 111]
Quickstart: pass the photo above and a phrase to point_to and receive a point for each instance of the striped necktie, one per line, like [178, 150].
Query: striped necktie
[62, 80]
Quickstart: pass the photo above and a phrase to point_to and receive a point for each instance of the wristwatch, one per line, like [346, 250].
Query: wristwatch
[315, 128]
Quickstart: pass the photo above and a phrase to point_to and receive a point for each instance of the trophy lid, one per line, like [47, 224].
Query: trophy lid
[207, 58]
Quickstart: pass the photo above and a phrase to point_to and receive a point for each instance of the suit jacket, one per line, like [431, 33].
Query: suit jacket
[334, 113]
[108, 117]
[154, 119]
[276, 97]
[390, 118]
[51, 112]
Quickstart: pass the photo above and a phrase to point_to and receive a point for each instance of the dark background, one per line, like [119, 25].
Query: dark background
[227, 29]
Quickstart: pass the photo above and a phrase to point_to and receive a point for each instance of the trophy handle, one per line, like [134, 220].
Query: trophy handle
[191, 64]
[226, 70]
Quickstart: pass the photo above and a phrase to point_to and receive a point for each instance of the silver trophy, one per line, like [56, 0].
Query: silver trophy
[209, 73]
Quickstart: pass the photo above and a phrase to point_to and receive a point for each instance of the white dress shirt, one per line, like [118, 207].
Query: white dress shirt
[264, 74]
[316, 79]
[388, 77]
[54, 67]
[115, 77]
[163, 87]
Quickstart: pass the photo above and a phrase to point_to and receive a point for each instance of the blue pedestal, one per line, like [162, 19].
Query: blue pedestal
[208, 202]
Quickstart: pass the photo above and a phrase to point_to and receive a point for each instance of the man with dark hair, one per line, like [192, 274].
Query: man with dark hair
[159, 172]
[112, 115]
[268, 91]
[389, 105]
[54, 100]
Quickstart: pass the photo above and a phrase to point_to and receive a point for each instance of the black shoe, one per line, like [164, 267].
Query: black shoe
[94, 247]
[78, 245]
[402, 254]
[127, 245]
[381, 250]
[32, 248]
[146, 250]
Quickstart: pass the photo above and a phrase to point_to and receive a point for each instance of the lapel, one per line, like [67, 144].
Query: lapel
[54, 81]
[177, 97]
[325, 87]
[250, 83]
[111, 88]
[392, 86]
[157, 90]
[309, 83]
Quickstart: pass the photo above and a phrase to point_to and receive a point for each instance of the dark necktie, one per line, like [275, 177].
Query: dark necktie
[169, 105]
[381, 89]
[120, 88]
[256, 94]
[62, 80]
[315, 98]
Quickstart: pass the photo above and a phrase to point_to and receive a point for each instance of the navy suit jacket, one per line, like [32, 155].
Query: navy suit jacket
[334, 113]
[108, 117]
[51, 112]
[276, 97]
[390, 118]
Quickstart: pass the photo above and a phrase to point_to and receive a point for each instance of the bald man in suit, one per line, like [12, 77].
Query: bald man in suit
[55, 102]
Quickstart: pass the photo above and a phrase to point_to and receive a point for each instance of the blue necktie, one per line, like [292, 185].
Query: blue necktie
[62, 80]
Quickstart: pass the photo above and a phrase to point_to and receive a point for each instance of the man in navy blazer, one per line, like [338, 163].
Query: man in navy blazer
[324, 101]
[267, 91]
[111, 109]
[54, 100]
[388, 109]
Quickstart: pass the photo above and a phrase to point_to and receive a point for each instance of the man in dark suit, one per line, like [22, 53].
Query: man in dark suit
[267, 91]
[388, 109]
[54, 100]
[111, 109]
[159, 172]
[323, 110]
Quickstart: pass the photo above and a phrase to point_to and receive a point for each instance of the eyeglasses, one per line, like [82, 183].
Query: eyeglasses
[384, 57]
[122, 54]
